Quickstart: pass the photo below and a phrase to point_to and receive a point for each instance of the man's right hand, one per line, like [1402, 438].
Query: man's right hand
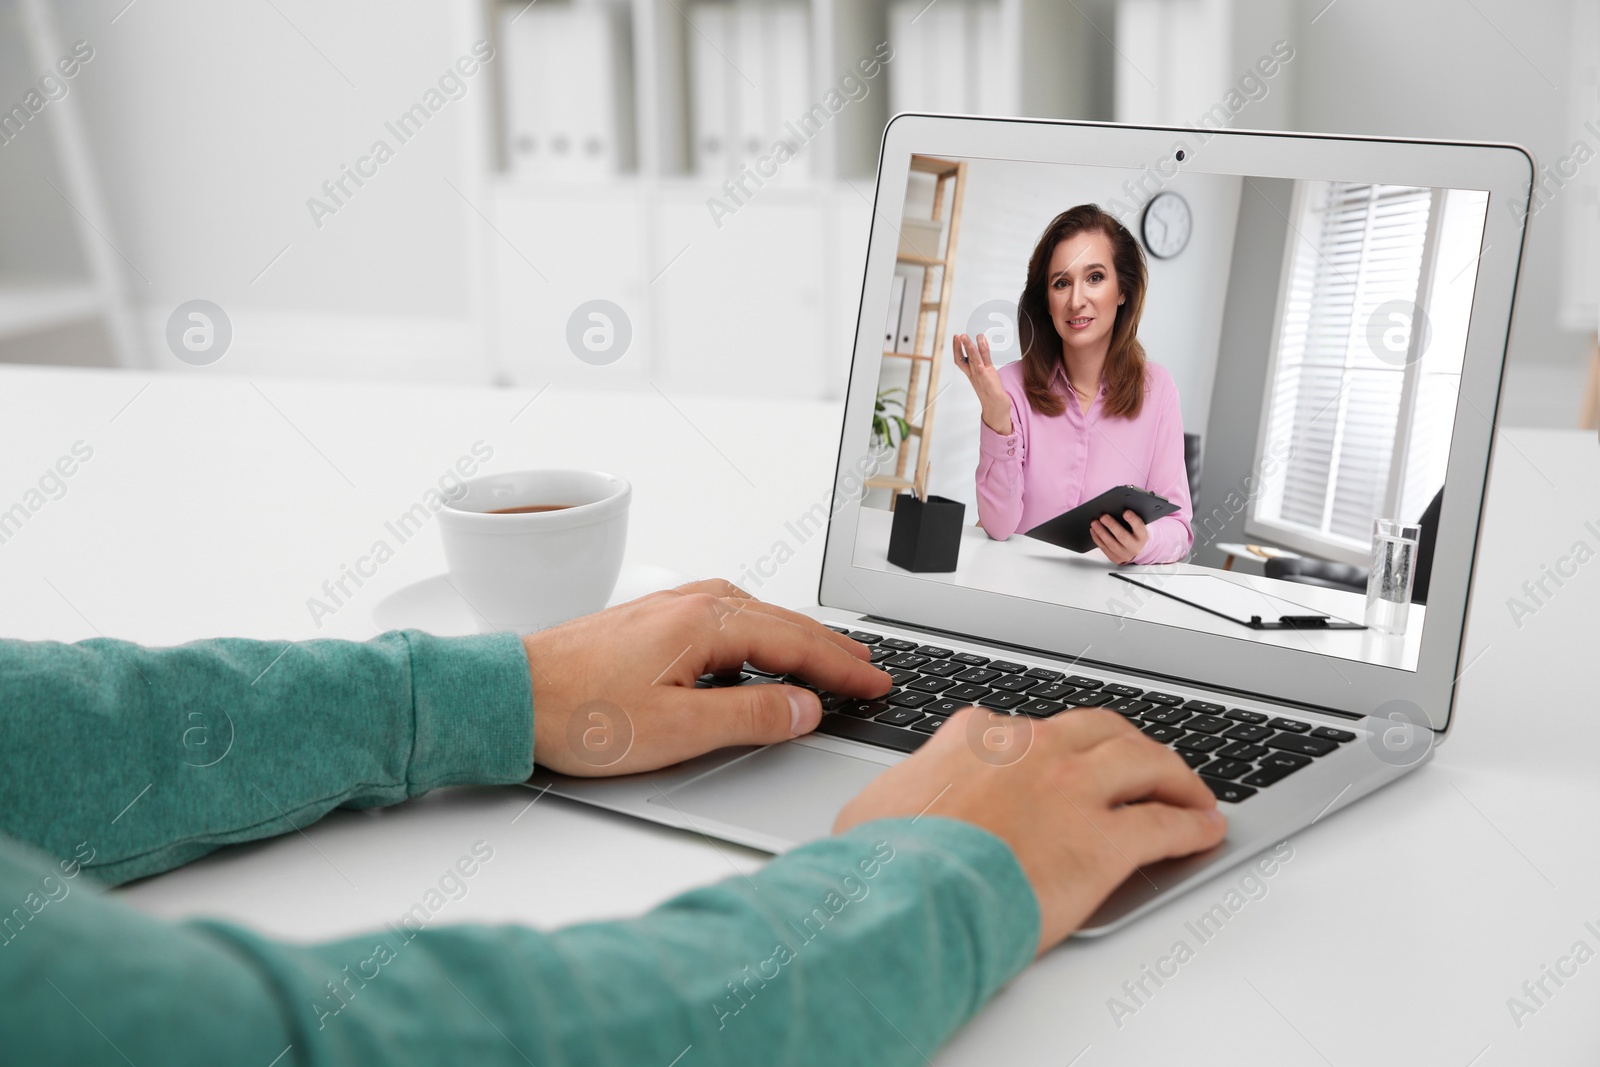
[1082, 799]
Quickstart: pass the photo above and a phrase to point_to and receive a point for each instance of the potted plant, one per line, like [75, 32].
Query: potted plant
[889, 425]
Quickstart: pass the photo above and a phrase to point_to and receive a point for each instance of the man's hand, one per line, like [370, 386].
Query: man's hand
[613, 692]
[1081, 798]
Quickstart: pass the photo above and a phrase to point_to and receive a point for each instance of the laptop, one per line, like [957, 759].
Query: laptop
[1333, 312]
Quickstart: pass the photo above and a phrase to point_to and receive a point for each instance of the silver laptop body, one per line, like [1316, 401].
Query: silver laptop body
[1391, 707]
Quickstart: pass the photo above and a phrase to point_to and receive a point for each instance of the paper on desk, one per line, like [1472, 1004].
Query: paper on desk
[1229, 599]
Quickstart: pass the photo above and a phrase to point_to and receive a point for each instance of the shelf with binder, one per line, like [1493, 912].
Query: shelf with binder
[914, 341]
[637, 60]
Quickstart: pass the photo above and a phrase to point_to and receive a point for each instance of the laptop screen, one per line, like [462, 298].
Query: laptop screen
[1266, 368]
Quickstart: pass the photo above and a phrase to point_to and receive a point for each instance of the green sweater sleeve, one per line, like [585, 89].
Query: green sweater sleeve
[872, 947]
[138, 760]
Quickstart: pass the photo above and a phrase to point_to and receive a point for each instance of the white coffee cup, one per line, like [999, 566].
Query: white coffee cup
[530, 570]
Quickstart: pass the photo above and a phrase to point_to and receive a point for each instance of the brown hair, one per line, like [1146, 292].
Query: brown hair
[1041, 341]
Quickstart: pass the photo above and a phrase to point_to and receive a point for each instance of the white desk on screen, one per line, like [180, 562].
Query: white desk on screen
[1395, 934]
[1024, 567]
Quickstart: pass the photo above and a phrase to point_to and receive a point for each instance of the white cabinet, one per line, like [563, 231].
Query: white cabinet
[763, 305]
[559, 247]
[742, 310]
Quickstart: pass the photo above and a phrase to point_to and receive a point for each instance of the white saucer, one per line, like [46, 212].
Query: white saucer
[434, 606]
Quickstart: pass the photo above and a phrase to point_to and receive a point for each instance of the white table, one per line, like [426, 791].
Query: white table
[1260, 553]
[1024, 567]
[1395, 935]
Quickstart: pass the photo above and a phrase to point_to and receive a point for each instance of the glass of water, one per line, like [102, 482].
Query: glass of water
[1394, 565]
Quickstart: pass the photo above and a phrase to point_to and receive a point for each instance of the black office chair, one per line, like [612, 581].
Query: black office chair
[1191, 463]
[1346, 576]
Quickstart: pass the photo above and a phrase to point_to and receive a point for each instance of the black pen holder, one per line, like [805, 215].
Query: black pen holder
[926, 534]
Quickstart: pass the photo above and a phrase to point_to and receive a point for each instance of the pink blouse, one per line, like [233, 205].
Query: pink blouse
[1051, 464]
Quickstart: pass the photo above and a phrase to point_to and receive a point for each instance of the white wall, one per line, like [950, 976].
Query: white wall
[1496, 70]
[214, 123]
[1007, 206]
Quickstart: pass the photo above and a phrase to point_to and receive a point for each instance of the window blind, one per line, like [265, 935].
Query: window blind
[1334, 396]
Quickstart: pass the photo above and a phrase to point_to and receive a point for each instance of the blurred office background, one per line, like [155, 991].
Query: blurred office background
[229, 153]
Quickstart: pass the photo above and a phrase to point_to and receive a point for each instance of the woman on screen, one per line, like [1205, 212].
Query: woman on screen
[1083, 410]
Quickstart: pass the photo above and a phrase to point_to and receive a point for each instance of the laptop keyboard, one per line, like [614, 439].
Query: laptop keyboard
[1236, 752]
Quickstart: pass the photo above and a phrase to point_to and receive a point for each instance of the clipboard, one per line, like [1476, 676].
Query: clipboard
[1240, 603]
[1070, 529]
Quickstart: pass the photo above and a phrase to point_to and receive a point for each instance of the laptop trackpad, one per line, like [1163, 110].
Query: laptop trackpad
[791, 792]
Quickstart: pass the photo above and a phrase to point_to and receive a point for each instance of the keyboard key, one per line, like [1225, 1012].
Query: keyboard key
[1089, 698]
[1240, 750]
[907, 661]
[722, 681]
[864, 709]
[1227, 768]
[1230, 792]
[977, 675]
[864, 637]
[928, 724]
[1044, 674]
[1328, 733]
[880, 654]
[899, 644]
[943, 668]
[1248, 733]
[795, 679]
[873, 733]
[1122, 690]
[1254, 718]
[905, 698]
[1168, 716]
[837, 629]
[1078, 681]
[934, 651]
[1305, 746]
[1206, 724]
[900, 677]
[929, 685]
[1273, 770]
[1130, 707]
[899, 716]
[1042, 709]
[1003, 701]
[1163, 698]
[1205, 706]
[967, 691]
[1195, 760]
[1293, 726]
[945, 706]
[833, 701]
[1005, 666]
[971, 659]
[1013, 683]
[1051, 691]
[1164, 733]
[1199, 743]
